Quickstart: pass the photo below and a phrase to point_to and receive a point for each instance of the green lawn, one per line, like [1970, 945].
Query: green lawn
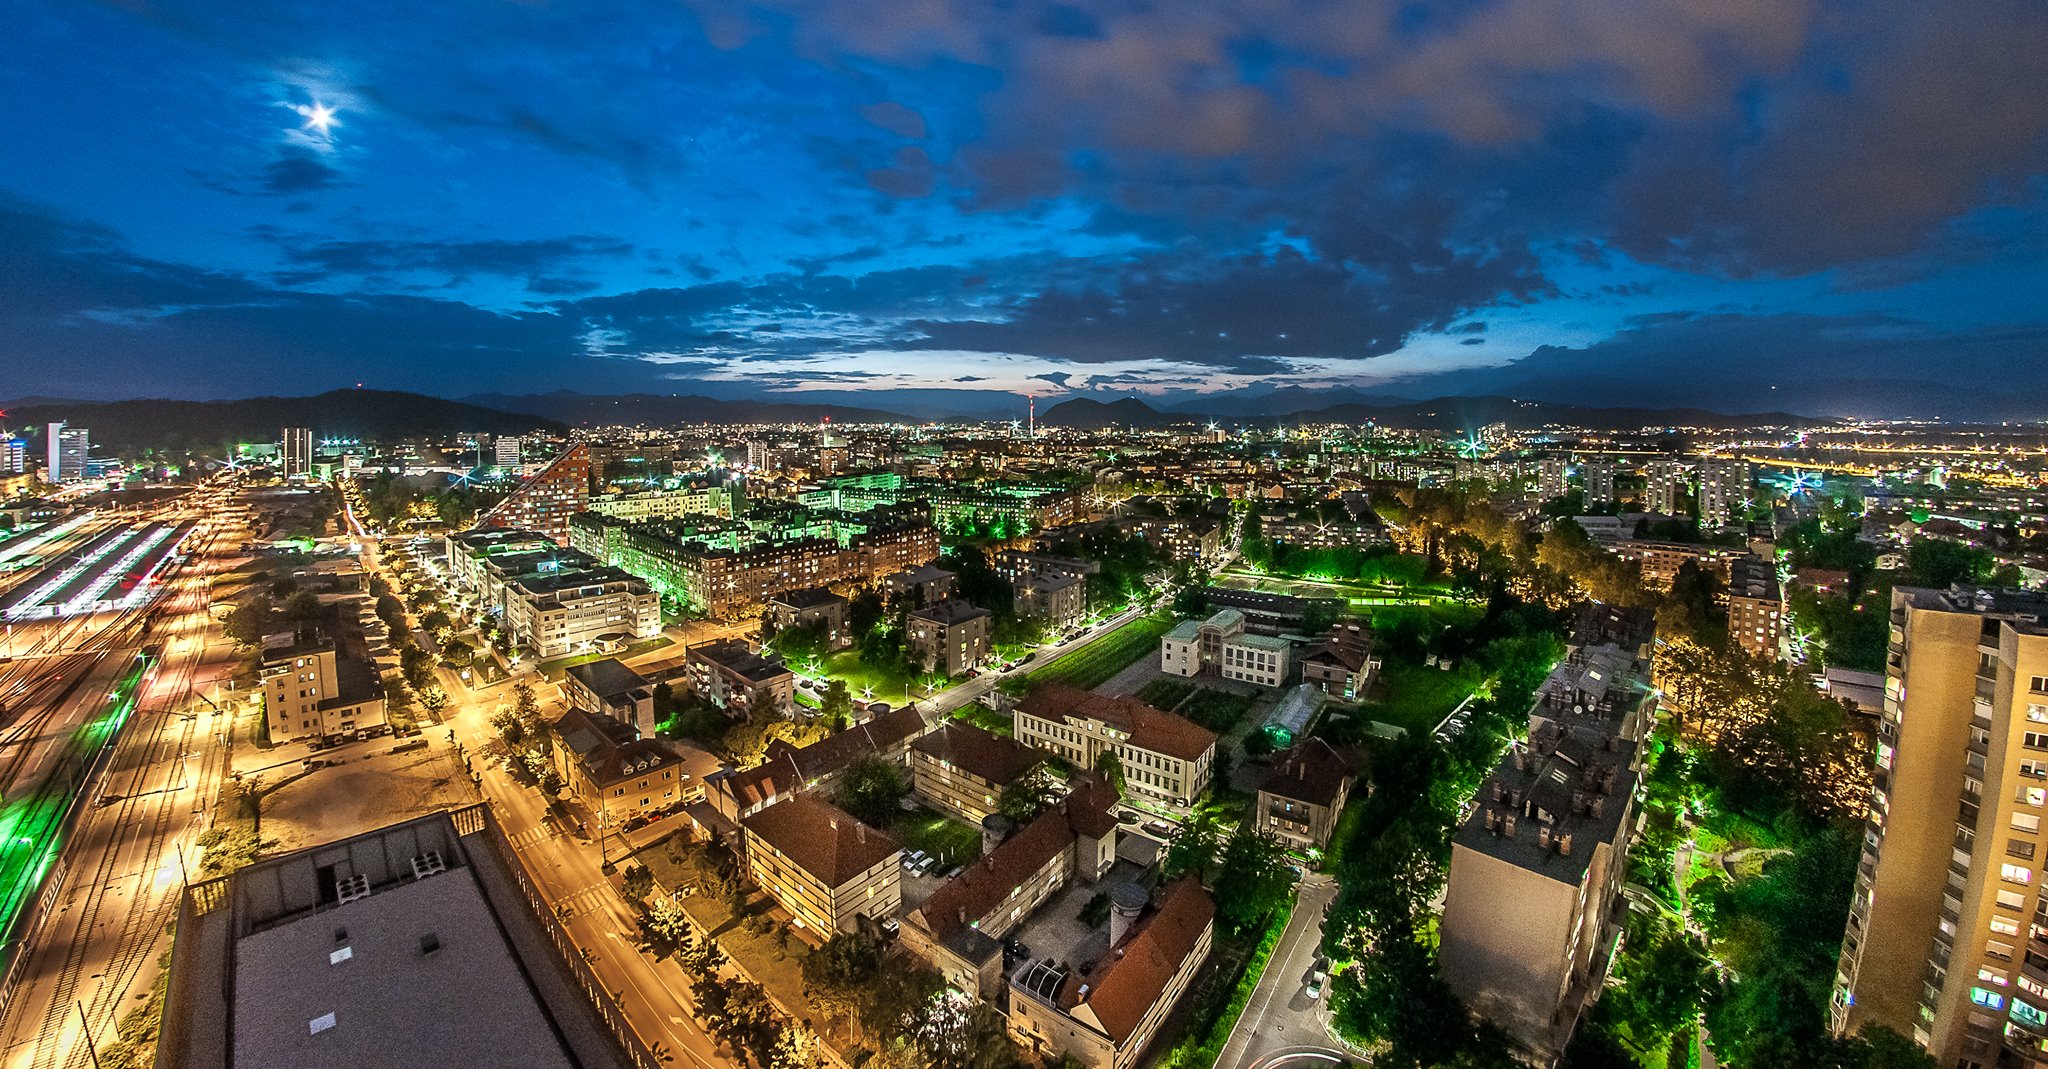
[952, 842]
[1217, 710]
[1418, 697]
[1096, 663]
[887, 683]
[985, 718]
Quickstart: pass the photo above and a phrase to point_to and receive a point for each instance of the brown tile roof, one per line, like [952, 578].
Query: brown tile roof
[995, 758]
[1312, 771]
[1149, 728]
[1349, 646]
[821, 838]
[789, 768]
[1121, 988]
[986, 884]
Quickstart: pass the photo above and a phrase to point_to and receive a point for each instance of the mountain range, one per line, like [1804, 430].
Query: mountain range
[217, 425]
[1442, 413]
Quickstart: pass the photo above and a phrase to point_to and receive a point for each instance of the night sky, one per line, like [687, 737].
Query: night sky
[1744, 204]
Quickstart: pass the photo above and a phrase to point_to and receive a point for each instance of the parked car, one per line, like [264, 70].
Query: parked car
[1159, 827]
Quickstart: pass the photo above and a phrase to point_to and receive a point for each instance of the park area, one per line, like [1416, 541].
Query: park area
[1099, 661]
[1213, 708]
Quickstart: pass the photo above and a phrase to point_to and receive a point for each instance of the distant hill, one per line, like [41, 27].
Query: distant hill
[1088, 414]
[661, 410]
[1442, 413]
[367, 414]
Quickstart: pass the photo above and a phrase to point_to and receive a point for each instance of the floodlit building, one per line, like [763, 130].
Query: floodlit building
[925, 583]
[1947, 923]
[296, 451]
[815, 607]
[1529, 918]
[418, 944]
[1305, 791]
[949, 638]
[959, 929]
[1106, 1014]
[792, 770]
[1219, 646]
[618, 775]
[963, 770]
[1553, 475]
[544, 502]
[1756, 606]
[1660, 561]
[69, 449]
[567, 610]
[824, 867]
[311, 689]
[722, 501]
[1059, 600]
[730, 675]
[506, 452]
[1724, 491]
[1343, 665]
[1599, 476]
[1164, 757]
[1664, 486]
[608, 687]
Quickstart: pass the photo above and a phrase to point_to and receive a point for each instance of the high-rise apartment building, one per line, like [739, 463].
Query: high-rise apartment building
[297, 451]
[1551, 476]
[69, 447]
[1947, 938]
[1756, 606]
[506, 450]
[1724, 491]
[13, 456]
[1599, 473]
[1664, 486]
[1529, 918]
[545, 502]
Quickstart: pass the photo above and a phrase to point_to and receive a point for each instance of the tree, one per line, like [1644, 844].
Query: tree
[436, 621]
[836, 704]
[1030, 794]
[303, 607]
[1253, 878]
[959, 1032]
[638, 882]
[416, 665]
[870, 788]
[1192, 850]
[1112, 769]
[524, 702]
[246, 623]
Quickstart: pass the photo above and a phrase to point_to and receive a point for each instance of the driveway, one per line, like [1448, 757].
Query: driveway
[1281, 1025]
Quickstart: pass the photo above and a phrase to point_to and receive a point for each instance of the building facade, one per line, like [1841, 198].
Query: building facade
[963, 770]
[1947, 938]
[544, 502]
[1305, 792]
[1164, 757]
[296, 451]
[731, 676]
[1530, 909]
[949, 638]
[1756, 606]
[1219, 646]
[825, 868]
[560, 612]
[311, 691]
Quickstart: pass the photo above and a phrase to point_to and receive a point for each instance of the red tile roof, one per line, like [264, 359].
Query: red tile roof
[1123, 987]
[821, 838]
[1149, 728]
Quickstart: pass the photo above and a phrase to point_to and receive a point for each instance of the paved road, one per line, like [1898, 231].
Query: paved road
[568, 874]
[1281, 1025]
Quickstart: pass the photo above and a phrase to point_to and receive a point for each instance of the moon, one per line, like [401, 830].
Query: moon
[319, 118]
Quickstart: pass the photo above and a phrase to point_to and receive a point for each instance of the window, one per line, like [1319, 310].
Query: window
[1990, 975]
[2037, 712]
[2034, 740]
[2015, 873]
[2012, 900]
[1996, 949]
[2026, 822]
[2004, 925]
[2033, 795]
[2019, 848]
[2040, 685]
[1988, 999]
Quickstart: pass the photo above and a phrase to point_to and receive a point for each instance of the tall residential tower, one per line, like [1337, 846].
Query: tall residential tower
[1947, 939]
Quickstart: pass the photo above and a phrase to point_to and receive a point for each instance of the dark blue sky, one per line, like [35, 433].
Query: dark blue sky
[1792, 204]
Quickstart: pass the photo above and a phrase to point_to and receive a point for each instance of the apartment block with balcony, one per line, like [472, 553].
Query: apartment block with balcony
[314, 688]
[558, 613]
[824, 867]
[963, 770]
[1947, 938]
[730, 675]
[949, 638]
[1756, 606]
[1532, 907]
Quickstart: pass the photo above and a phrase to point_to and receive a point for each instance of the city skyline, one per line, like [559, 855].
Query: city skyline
[1756, 208]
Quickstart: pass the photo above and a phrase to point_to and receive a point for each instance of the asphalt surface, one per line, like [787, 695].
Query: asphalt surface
[1281, 1025]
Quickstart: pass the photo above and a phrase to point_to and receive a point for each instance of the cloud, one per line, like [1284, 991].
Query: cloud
[296, 170]
[539, 261]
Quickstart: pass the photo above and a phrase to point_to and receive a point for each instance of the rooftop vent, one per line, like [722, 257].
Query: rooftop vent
[430, 944]
[352, 888]
[339, 956]
[320, 1024]
[428, 864]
